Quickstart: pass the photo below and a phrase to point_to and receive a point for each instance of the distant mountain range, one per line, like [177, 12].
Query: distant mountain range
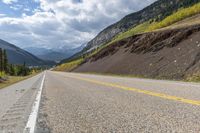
[54, 55]
[17, 55]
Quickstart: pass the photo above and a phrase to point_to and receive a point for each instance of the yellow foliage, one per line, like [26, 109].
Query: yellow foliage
[69, 66]
[178, 16]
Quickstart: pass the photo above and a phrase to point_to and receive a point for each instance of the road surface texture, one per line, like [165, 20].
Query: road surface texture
[16, 104]
[83, 103]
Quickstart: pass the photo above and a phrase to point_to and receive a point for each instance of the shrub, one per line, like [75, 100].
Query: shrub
[194, 77]
[70, 65]
[177, 16]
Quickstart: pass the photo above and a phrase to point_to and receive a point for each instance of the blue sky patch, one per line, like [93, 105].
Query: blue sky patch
[17, 9]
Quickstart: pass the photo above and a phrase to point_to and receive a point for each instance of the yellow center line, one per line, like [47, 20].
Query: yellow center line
[161, 95]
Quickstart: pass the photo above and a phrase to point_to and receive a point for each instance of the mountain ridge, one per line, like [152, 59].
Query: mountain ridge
[158, 10]
[17, 55]
[54, 55]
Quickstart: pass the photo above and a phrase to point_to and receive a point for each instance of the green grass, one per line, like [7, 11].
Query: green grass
[2, 74]
[136, 30]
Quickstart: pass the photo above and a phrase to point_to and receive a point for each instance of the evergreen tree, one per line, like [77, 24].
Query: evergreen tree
[5, 61]
[24, 69]
[1, 60]
[12, 70]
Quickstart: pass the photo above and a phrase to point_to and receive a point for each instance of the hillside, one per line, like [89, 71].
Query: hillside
[168, 48]
[155, 12]
[19, 56]
[171, 54]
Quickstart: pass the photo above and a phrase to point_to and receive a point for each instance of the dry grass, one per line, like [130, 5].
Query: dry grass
[14, 79]
[175, 17]
[194, 20]
[194, 77]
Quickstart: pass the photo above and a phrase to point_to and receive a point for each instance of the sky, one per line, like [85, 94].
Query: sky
[58, 24]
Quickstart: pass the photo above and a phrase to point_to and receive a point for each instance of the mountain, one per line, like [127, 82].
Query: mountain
[37, 51]
[47, 54]
[76, 53]
[54, 55]
[165, 46]
[155, 12]
[17, 55]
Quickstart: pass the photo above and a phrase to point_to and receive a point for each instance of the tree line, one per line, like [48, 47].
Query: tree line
[11, 69]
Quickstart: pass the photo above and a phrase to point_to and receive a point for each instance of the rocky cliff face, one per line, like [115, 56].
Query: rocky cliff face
[157, 11]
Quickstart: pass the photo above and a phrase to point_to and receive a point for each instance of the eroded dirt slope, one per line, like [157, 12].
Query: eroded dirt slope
[172, 54]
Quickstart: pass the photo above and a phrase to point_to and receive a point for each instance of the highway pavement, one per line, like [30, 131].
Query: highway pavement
[86, 103]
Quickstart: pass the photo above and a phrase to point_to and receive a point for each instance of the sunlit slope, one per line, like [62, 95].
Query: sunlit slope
[168, 22]
[155, 12]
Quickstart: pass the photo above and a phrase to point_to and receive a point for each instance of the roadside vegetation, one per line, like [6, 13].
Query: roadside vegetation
[177, 16]
[194, 78]
[148, 26]
[13, 79]
[69, 66]
[10, 73]
[10, 69]
[136, 30]
[154, 25]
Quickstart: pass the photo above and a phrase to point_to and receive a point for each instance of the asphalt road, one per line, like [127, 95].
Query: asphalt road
[83, 103]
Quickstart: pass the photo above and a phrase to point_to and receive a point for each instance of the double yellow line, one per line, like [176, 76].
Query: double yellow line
[161, 95]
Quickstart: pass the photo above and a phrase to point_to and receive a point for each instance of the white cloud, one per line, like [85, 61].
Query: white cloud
[66, 23]
[9, 1]
[2, 15]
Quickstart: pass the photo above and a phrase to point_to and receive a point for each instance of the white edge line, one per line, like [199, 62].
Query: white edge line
[31, 124]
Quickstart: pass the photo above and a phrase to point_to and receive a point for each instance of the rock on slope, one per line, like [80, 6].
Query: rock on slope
[172, 54]
[19, 56]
